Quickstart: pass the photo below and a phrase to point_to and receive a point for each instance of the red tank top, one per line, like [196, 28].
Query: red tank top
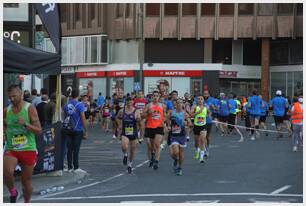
[155, 119]
[140, 104]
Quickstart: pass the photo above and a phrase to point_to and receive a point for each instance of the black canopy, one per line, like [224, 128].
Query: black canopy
[24, 60]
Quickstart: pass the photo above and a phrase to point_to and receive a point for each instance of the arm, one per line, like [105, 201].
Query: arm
[34, 125]
[119, 118]
[145, 111]
[84, 123]
[4, 124]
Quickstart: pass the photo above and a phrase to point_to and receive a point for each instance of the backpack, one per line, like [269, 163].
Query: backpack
[69, 124]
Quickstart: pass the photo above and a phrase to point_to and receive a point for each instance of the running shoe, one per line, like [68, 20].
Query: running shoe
[197, 155]
[114, 136]
[155, 165]
[79, 170]
[140, 140]
[206, 152]
[125, 160]
[202, 161]
[179, 172]
[188, 138]
[151, 164]
[175, 165]
[129, 169]
[14, 199]
[253, 138]
[162, 146]
[294, 149]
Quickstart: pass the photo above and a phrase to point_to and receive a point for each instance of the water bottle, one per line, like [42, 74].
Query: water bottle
[43, 192]
[60, 188]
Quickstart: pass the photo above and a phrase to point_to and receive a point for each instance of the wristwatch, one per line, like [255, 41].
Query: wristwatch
[25, 125]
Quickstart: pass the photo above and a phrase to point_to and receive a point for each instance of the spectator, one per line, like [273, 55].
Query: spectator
[40, 109]
[27, 96]
[101, 100]
[49, 110]
[35, 99]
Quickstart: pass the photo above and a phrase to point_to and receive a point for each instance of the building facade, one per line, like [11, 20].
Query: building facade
[186, 46]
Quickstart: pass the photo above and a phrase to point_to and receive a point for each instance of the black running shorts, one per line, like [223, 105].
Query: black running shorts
[151, 132]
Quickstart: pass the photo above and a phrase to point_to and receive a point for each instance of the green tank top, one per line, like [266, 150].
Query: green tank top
[200, 119]
[17, 137]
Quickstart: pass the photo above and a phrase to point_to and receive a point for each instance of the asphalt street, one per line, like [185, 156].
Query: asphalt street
[265, 170]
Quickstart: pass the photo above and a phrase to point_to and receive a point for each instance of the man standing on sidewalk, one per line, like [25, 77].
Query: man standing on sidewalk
[74, 130]
[297, 122]
[21, 124]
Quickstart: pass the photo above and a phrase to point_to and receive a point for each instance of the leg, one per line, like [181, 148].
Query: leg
[76, 149]
[202, 139]
[174, 151]
[156, 141]
[124, 145]
[63, 148]
[9, 165]
[26, 180]
[69, 151]
[133, 145]
[181, 156]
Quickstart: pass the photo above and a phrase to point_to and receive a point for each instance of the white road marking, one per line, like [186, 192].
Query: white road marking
[136, 202]
[233, 146]
[254, 200]
[173, 195]
[89, 185]
[280, 190]
[203, 201]
[225, 182]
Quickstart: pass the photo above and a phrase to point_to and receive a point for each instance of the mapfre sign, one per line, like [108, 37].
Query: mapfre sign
[170, 73]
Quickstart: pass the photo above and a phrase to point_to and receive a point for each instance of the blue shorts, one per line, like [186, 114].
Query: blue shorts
[178, 140]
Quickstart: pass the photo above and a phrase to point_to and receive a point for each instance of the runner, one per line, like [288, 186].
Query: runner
[199, 113]
[223, 109]
[187, 108]
[255, 104]
[263, 114]
[246, 111]
[127, 119]
[21, 124]
[287, 123]
[154, 131]
[215, 112]
[140, 103]
[176, 127]
[297, 122]
[106, 114]
[118, 104]
[232, 112]
[208, 102]
[278, 104]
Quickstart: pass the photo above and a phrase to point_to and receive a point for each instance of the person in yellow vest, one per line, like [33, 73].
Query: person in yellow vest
[297, 122]
[21, 125]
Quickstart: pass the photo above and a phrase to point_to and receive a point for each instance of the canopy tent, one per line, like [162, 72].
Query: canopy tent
[24, 60]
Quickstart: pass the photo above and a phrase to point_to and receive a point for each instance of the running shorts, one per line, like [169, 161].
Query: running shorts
[197, 129]
[262, 119]
[278, 120]
[178, 140]
[151, 132]
[208, 128]
[223, 118]
[27, 158]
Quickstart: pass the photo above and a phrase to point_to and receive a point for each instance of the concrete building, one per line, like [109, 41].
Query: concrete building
[188, 47]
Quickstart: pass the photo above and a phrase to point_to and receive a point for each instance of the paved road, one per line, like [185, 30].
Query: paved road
[265, 170]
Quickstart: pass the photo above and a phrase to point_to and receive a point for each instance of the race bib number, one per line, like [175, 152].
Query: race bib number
[121, 104]
[176, 129]
[106, 110]
[129, 131]
[140, 105]
[156, 115]
[19, 141]
[200, 120]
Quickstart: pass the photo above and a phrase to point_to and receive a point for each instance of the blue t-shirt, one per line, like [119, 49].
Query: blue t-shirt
[76, 116]
[279, 106]
[169, 105]
[216, 104]
[208, 104]
[256, 104]
[263, 110]
[223, 107]
[233, 105]
[100, 101]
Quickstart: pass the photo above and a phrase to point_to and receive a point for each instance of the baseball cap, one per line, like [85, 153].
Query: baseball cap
[278, 92]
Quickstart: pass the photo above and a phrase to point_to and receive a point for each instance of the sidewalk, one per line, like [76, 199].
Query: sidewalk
[44, 181]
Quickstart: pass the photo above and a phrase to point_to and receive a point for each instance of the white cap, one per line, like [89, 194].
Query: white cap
[301, 100]
[278, 92]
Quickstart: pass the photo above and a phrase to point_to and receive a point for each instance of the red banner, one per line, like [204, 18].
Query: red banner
[172, 73]
[227, 74]
[126, 73]
[90, 74]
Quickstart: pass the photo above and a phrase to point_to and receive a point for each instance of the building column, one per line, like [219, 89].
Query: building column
[265, 68]
[208, 50]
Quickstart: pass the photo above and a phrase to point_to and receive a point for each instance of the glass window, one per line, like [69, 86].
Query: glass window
[104, 49]
[77, 12]
[208, 9]
[87, 51]
[94, 53]
[189, 9]
[171, 9]
[245, 9]
[265, 9]
[299, 9]
[251, 52]
[73, 50]
[290, 84]
[296, 51]
[226, 9]
[152, 9]
[222, 51]
[64, 51]
[279, 53]
[298, 83]
[119, 10]
[278, 82]
[10, 5]
[285, 9]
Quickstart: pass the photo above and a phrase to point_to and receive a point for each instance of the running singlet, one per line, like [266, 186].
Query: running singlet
[256, 104]
[279, 106]
[223, 108]
[263, 110]
[200, 119]
[18, 138]
[106, 110]
[129, 126]
[140, 104]
[233, 104]
[155, 119]
[177, 123]
[208, 103]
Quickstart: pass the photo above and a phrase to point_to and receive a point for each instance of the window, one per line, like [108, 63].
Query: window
[94, 50]
[77, 12]
[92, 11]
[222, 51]
[299, 9]
[265, 9]
[278, 82]
[171, 9]
[285, 9]
[296, 51]
[152, 9]
[251, 52]
[119, 10]
[63, 12]
[64, 51]
[87, 50]
[104, 49]
[189, 9]
[11, 5]
[245, 9]
[298, 83]
[226, 9]
[279, 53]
[127, 10]
[208, 9]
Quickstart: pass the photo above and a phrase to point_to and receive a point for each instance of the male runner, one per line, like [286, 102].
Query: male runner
[255, 104]
[140, 103]
[21, 124]
[154, 113]
[263, 114]
[208, 102]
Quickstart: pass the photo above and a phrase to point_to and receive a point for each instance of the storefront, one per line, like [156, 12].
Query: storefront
[68, 80]
[167, 80]
[92, 83]
[121, 80]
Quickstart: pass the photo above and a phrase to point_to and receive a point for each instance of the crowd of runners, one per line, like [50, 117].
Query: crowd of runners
[159, 121]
